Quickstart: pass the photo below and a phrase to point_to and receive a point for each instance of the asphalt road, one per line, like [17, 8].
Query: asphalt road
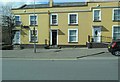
[81, 69]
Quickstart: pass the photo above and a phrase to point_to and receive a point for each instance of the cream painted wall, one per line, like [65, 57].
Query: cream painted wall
[84, 27]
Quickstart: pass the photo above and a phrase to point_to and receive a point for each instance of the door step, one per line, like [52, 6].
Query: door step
[52, 47]
[97, 45]
[16, 47]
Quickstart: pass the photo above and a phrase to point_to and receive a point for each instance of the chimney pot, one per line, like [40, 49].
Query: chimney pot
[51, 3]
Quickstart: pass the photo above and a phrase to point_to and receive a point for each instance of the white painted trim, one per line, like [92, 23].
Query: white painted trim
[99, 14]
[113, 13]
[56, 18]
[76, 35]
[113, 29]
[100, 31]
[19, 16]
[37, 35]
[36, 18]
[69, 18]
[51, 36]
[19, 38]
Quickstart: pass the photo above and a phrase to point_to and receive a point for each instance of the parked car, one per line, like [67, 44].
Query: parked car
[114, 47]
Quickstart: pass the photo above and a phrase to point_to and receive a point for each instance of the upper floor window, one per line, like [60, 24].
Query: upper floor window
[33, 36]
[116, 14]
[72, 18]
[17, 20]
[54, 19]
[33, 19]
[72, 35]
[96, 15]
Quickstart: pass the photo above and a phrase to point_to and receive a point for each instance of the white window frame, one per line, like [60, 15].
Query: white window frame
[30, 35]
[19, 17]
[69, 35]
[69, 18]
[52, 20]
[113, 14]
[99, 14]
[36, 19]
[113, 29]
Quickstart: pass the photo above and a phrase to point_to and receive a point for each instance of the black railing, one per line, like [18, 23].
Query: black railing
[99, 39]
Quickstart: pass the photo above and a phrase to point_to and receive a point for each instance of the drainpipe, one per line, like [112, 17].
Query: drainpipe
[49, 26]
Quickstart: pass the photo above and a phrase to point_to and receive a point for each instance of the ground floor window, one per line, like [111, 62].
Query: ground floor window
[72, 35]
[32, 33]
[116, 32]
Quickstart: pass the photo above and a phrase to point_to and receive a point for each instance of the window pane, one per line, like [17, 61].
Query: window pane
[54, 16]
[117, 14]
[17, 22]
[17, 18]
[96, 14]
[115, 29]
[32, 35]
[72, 38]
[72, 32]
[33, 20]
[54, 19]
[73, 18]
[72, 35]
[116, 34]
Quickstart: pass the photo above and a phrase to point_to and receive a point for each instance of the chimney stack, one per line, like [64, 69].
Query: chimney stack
[51, 3]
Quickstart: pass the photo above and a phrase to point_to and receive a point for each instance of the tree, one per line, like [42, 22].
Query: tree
[7, 24]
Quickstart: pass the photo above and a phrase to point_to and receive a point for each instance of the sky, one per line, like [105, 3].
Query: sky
[18, 3]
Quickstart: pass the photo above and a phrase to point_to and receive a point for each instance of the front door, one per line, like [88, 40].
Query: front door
[97, 34]
[54, 37]
[16, 39]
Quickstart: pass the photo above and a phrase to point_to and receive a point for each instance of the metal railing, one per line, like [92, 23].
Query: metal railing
[99, 39]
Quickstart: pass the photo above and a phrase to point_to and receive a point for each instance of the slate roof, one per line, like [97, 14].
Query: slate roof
[65, 4]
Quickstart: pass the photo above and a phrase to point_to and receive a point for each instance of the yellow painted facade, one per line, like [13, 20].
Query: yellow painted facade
[85, 22]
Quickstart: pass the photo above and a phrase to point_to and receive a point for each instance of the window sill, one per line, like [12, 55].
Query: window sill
[116, 20]
[72, 42]
[97, 21]
[33, 25]
[33, 42]
[54, 24]
[73, 24]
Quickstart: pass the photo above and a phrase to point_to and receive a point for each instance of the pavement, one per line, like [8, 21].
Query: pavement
[62, 54]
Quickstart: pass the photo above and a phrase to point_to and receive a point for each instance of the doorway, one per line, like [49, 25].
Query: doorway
[97, 34]
[54, 37]
[16, 39]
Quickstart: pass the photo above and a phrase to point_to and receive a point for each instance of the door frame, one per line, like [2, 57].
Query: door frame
[19, 37]
[51, 36]
[100, 32]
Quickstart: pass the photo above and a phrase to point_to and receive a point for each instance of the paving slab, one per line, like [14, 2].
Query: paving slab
[64, 53]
